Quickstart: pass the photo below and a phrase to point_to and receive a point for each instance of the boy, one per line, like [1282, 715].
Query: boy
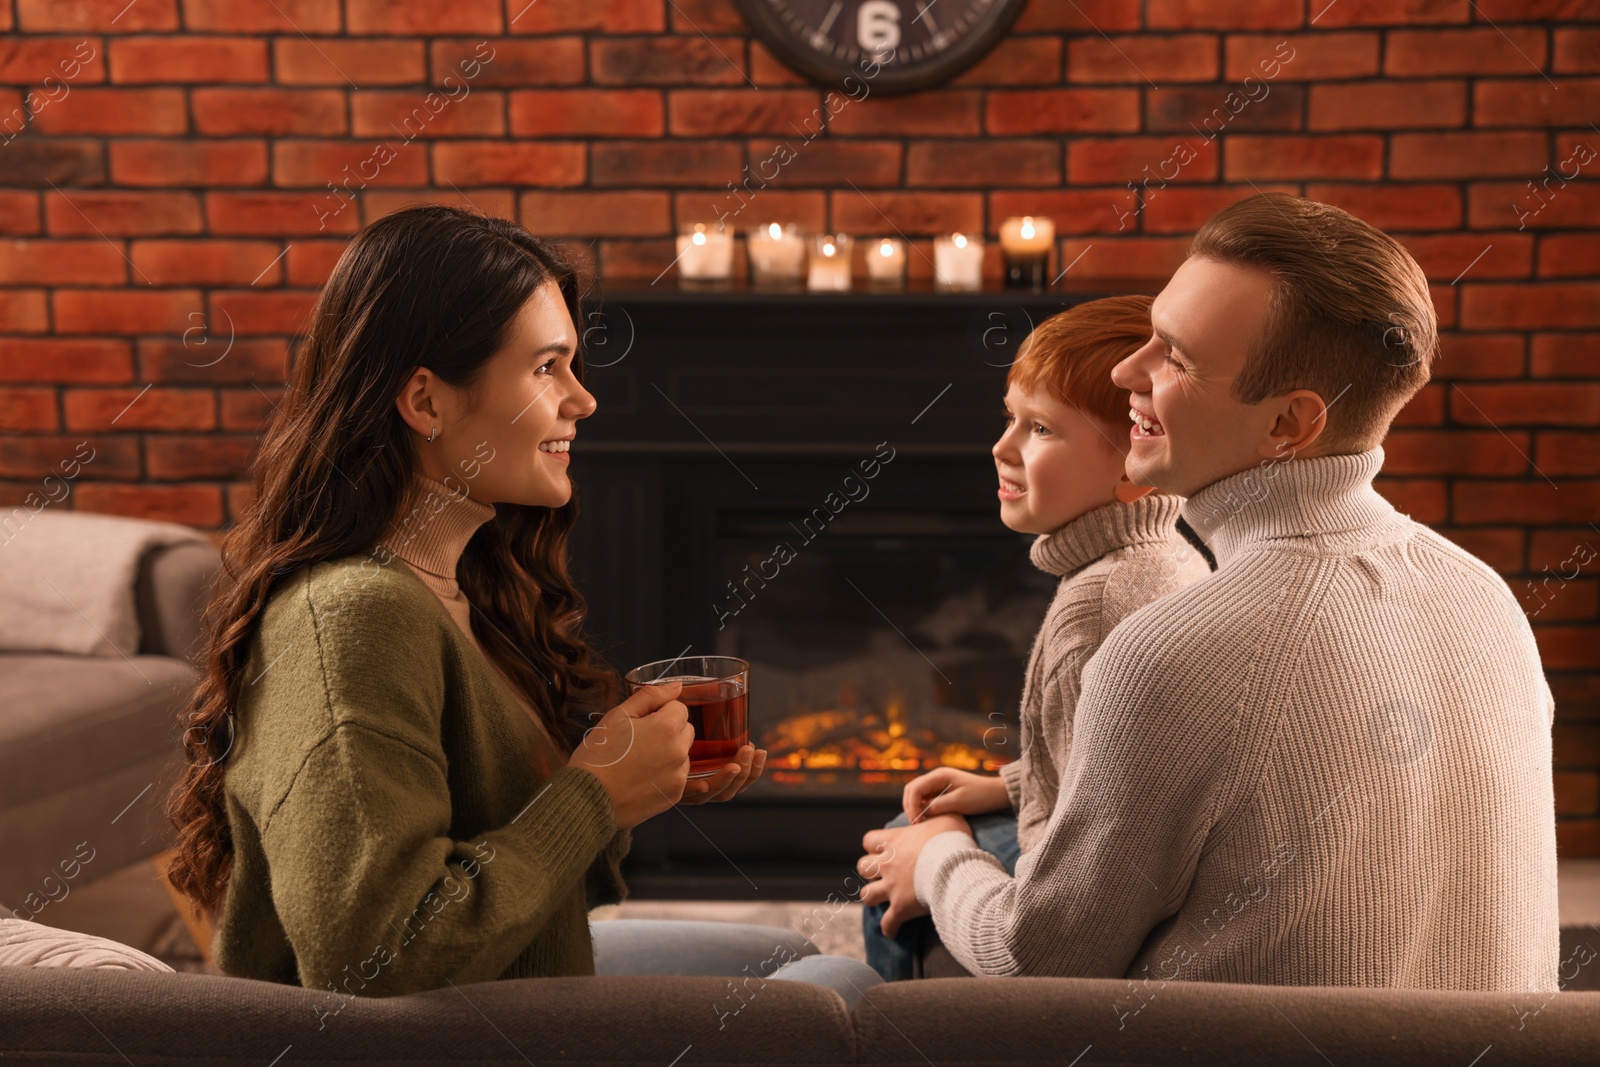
[1115, 546]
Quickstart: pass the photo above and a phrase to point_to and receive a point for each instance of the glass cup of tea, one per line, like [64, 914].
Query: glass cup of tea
[716, 691]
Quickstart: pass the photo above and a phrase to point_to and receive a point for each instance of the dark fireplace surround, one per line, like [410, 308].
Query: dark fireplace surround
[804, 480]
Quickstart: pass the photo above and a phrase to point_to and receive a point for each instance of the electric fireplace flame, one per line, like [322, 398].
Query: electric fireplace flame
[872, 747]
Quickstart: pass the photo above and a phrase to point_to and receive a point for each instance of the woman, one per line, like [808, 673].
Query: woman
[401, 767]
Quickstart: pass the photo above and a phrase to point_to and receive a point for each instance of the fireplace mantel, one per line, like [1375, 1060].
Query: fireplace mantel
[761, 371]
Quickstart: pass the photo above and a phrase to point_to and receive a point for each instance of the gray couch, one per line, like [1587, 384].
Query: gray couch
[113, 1017]
[89, 744]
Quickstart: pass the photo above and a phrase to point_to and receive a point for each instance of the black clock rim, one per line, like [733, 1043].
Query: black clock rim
[759, 16]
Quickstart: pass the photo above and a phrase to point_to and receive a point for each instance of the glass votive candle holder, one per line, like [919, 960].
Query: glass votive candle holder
[705, 255]
[830, 263]
[958, 262]
[1025, 243]
[886, 263]
[777, 255]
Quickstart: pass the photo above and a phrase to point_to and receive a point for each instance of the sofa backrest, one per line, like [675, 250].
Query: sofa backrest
[1057, 1020]
[80, 1016]
[173, 585]
[85, 1016]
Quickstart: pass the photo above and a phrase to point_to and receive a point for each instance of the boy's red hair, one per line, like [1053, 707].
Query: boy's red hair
[1071, 355]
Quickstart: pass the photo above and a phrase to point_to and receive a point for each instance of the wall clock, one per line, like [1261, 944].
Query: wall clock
[890, 46]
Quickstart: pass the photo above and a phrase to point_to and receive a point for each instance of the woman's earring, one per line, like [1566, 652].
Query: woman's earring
[1127, 492]
[432, 434]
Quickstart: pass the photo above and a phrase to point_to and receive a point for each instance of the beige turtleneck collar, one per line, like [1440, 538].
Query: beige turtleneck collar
[1153, 517]
[432, 530]
[1328, 500]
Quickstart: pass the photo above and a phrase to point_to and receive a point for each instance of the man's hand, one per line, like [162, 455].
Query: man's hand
[891, 863]
[730, 780]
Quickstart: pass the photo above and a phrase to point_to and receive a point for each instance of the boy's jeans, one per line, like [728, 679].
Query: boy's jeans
[995, 833]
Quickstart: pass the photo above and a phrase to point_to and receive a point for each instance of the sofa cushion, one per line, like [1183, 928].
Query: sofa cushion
[66, 720]
[68, 581]
[1055, 1020]
[29, 944]
[163, 1019]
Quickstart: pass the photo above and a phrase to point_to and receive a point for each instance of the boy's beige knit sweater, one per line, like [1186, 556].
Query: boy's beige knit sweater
[1112, 561]
[1326, 764]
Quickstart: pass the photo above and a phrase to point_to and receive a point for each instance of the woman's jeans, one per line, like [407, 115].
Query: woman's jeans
[893, 958]
[738, 950]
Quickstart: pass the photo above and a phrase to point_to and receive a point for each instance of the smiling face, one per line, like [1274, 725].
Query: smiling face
[1192, 431]
[1054, 462]
[527, 407]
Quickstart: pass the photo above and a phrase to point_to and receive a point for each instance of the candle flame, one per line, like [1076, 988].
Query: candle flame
[1027, 227]
[775, 230]
[959, 240]
[886, 249]
[827, 248]
[699, 237]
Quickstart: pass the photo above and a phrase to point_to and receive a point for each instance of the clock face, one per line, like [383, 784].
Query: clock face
[891, 46]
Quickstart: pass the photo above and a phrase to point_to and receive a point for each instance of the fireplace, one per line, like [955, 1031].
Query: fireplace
[803, 480]
[889, 643]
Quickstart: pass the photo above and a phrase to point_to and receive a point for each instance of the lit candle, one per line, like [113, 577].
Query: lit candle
[1025, 242]
[830, 263]
[958, 261]
[777, 255]
[886, 263]
[705, 255]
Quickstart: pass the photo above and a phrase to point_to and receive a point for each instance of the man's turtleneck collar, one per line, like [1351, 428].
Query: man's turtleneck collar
[433, 527]
[1323, 498]
[1152, 517]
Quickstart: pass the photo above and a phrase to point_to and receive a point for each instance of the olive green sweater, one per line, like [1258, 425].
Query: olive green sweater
[392, 828]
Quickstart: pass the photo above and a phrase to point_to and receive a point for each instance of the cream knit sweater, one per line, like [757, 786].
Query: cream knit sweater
[1326, 764]
[1112, 561]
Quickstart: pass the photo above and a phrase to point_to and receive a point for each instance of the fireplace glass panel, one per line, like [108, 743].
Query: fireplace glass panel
[884, 646]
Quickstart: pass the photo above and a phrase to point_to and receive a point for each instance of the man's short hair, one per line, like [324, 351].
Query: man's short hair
[1070, 356]
[1350, 316]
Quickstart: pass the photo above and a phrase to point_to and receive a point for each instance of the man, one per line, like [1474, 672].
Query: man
[1329, 762]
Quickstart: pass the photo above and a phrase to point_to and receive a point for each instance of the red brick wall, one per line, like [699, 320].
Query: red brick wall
[165, 171]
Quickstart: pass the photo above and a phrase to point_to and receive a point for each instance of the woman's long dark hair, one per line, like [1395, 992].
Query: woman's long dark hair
[429, 286]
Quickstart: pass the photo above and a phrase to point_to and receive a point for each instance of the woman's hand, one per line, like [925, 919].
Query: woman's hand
[730, 781]
[948, 791]
[640, 752]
